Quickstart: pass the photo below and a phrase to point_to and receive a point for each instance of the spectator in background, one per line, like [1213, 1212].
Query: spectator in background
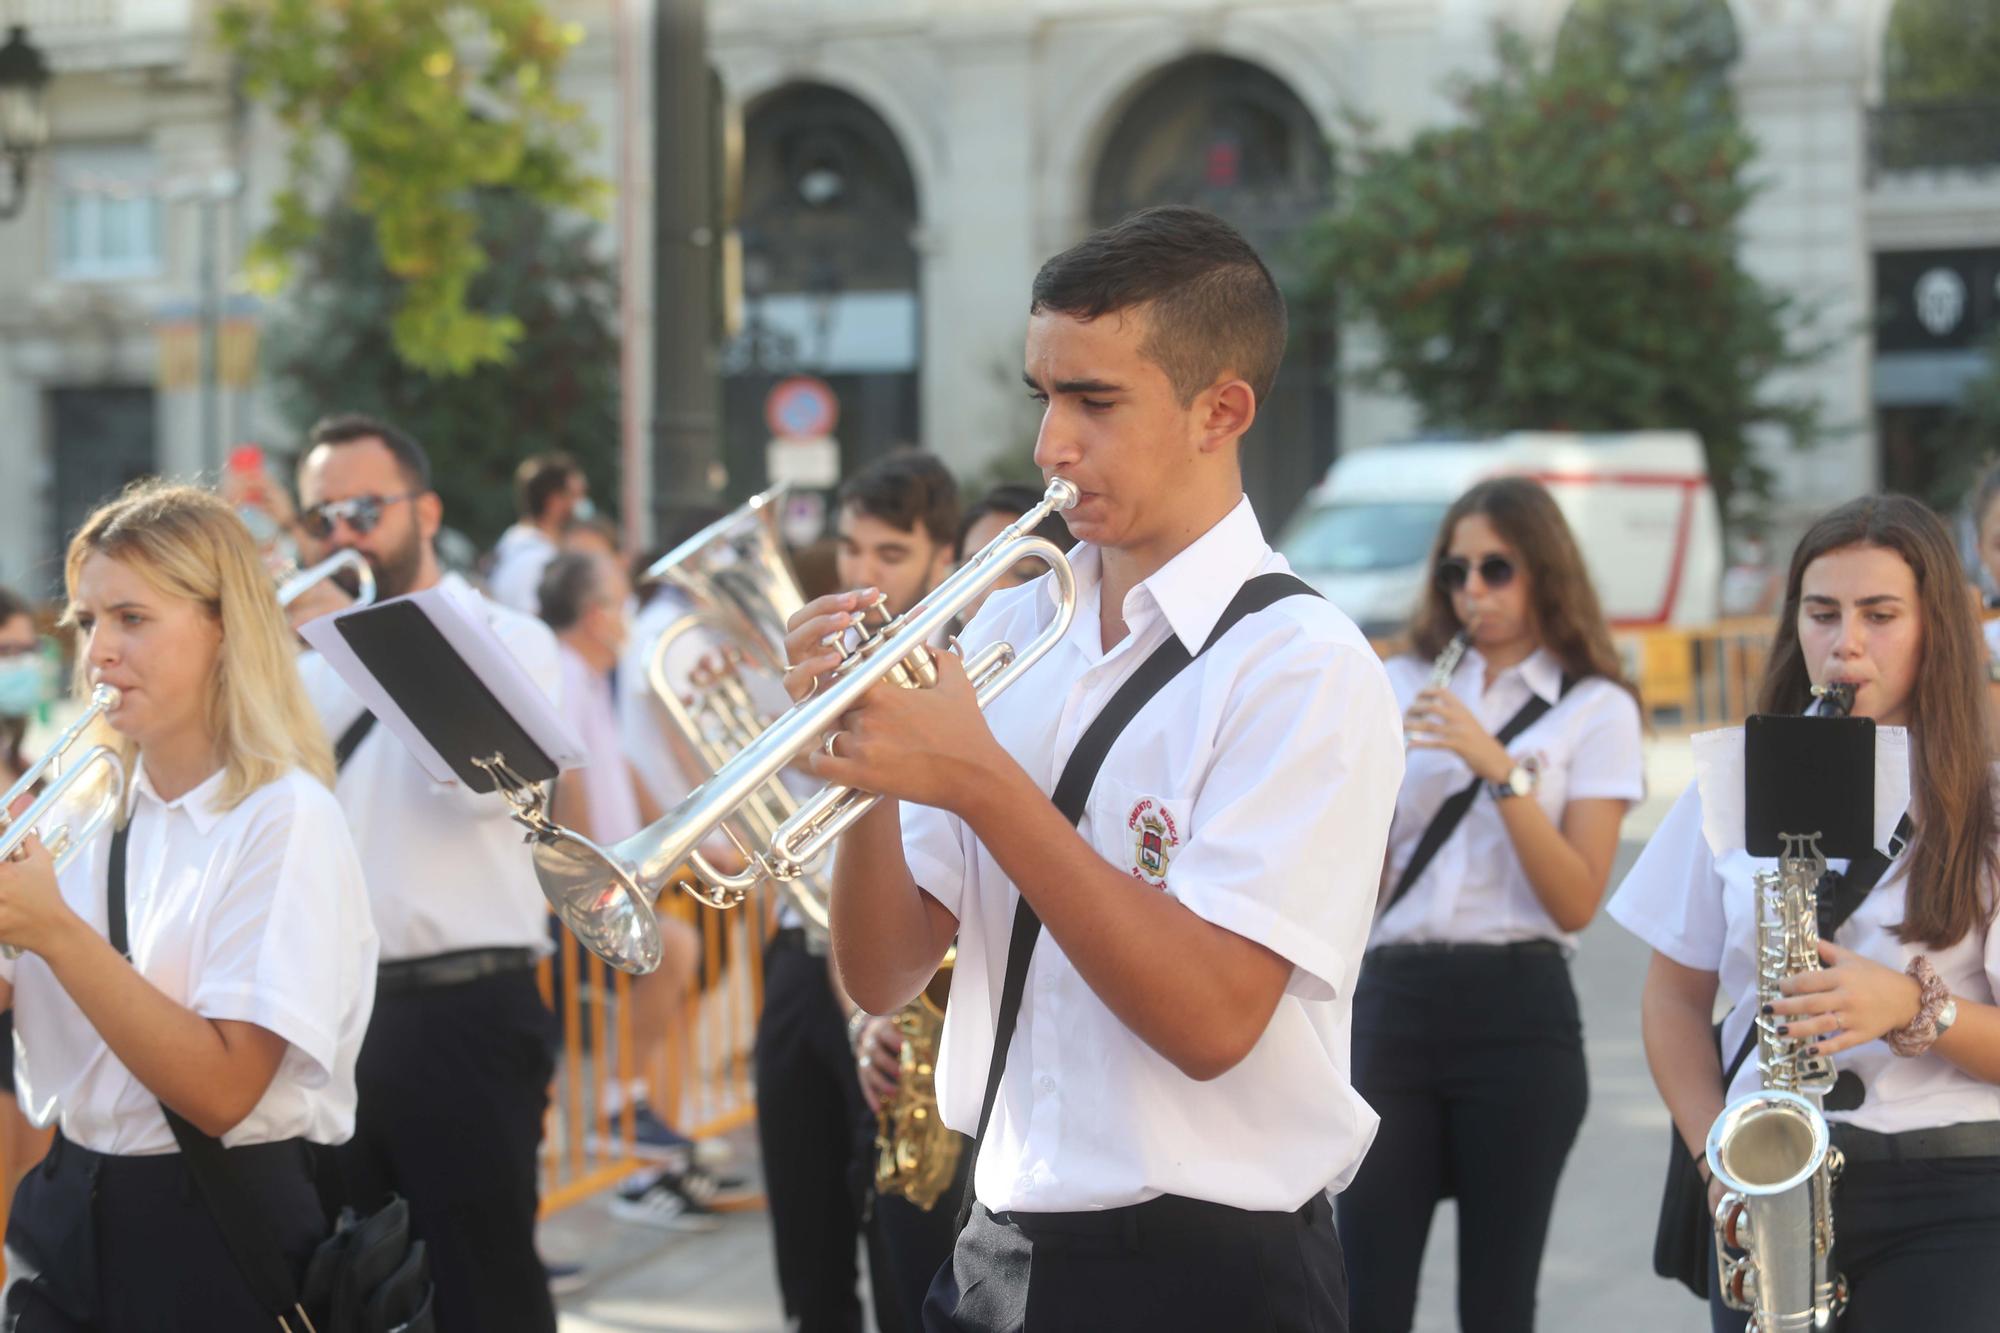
[987, 518]
[550, 492]
[582, 598]
[23, 691]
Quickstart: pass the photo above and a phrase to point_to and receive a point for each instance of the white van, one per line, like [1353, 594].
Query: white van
[1639, 503]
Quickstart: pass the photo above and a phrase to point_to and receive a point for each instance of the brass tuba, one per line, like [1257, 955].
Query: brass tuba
[605, 895]
[916, 1154]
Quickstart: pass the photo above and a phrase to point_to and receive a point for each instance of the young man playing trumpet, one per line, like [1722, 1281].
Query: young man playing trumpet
[1172, 1099]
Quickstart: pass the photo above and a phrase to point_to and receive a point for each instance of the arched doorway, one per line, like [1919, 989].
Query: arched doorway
[1225, 135]
[830, 283]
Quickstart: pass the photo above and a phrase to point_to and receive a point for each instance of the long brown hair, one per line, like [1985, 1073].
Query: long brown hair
[1568, 618]
[1951, 780]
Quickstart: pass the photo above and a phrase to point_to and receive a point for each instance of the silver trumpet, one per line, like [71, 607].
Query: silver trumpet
[303, 582]
[605, 895]
[65, 831]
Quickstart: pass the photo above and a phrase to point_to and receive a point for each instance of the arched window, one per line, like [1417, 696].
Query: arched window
[1230, 137]
[830, 274]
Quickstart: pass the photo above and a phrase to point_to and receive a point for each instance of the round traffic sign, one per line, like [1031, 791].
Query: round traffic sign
[801, 408]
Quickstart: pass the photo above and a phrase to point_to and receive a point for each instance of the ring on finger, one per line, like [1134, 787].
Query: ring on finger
[826, 746]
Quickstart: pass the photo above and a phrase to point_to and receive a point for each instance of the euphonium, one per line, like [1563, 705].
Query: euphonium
[916, 1155]
[605, 895]
[63, 831]
[1771, 1149]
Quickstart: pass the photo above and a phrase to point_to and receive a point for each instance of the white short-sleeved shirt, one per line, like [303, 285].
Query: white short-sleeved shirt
[254, 915]
[1589, 745]
[520, 558]
[445, 866]
[1697, 909]
[606, 777]
[1991, 631]
[1256, 788]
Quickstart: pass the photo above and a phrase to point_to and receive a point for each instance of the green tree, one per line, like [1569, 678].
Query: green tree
[1564, 255]
[328, 352]
[425, 102]
[1941, 50]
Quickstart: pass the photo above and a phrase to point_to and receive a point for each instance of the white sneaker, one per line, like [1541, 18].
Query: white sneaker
[657, 1200]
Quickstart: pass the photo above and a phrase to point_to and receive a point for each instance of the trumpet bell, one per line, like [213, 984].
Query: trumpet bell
[598, 897]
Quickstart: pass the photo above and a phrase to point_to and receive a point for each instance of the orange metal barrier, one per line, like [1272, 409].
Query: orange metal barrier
[700, 1081]
[1692, 678]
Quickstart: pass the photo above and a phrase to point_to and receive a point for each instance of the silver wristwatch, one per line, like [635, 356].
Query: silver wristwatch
[1520, 781]
[1946, 1016]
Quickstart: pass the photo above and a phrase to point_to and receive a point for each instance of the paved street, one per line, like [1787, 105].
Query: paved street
[1598, 1272]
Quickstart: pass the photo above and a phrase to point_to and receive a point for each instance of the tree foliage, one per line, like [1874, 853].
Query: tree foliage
[328, 353]
[426, 101]
[1941, 50]
[1564, 256]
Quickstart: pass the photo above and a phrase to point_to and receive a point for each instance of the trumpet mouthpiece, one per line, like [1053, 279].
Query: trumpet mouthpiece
[106, 697]
[1062, 493]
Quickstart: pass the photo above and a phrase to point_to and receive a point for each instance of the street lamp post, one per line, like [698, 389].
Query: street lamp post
[24, 113]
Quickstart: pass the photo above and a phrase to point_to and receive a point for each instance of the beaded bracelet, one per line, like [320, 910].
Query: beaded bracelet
[1915, 1037]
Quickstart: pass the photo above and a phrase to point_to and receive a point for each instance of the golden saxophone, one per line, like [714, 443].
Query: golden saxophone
[916, 1155]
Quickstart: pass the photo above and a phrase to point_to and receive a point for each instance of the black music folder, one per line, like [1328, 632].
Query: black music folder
[434, 672]
[1809, 775]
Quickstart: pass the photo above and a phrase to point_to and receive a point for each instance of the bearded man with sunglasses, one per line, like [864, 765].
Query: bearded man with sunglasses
[453, 1077]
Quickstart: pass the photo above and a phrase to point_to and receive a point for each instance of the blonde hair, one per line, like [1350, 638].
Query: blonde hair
[189, 544]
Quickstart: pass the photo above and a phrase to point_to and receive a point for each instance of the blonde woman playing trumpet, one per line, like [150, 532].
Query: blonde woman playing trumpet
[241, 998]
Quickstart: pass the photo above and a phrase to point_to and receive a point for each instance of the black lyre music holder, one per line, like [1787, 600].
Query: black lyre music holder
[1808, 779]
[444, 698]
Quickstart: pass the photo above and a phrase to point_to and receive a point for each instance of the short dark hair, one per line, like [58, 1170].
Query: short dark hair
[540, 479]
[1211, 305]
[353, 427]
[905, 489]
[1012, 499]
[571, 583]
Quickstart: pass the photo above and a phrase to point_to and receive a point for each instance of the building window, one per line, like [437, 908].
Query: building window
[107, 212]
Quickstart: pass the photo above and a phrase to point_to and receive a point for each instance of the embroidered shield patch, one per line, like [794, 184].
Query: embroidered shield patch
[1154, 838]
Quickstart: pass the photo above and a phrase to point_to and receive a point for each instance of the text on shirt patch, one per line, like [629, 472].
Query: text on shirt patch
[1154, 837]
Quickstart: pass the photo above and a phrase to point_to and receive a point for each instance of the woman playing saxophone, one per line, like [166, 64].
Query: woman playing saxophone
[1903, 1001]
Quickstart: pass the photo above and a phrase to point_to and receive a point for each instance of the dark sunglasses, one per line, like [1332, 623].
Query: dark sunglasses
[1495, 571]
[361, 513]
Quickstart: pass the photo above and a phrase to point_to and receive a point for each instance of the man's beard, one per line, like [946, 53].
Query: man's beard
[396, 573]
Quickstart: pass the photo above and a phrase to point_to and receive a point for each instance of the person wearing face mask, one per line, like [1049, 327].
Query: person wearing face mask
[550, 493]
[209, 955]
[1874, 598]
[23, 686]
[22, 682]
[1524, 757]
[454, 1076]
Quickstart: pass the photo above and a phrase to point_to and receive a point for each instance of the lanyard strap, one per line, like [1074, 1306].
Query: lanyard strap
[1446, 821]
[1073, 789]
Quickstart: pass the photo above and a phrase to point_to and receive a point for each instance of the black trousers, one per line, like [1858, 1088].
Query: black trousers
[1169, 1265]
[910, 1246]
[1917, 1242]
[101, 1244]
[453, 1084]
[813, 1129]
[1474, 1060]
